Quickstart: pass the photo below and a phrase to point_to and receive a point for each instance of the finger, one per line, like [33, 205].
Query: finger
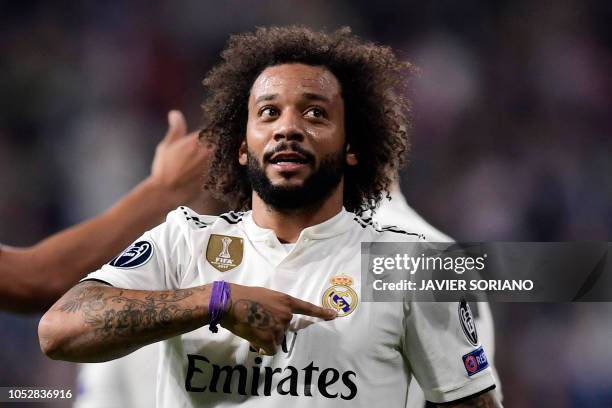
[263, 352]
[305, 308]
[272, 349]
[268, 350]
[177, 125]
[279, 337]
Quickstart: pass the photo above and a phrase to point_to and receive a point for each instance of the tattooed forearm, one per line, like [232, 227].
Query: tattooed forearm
[486, 400]
[96, 322]
[112, 313]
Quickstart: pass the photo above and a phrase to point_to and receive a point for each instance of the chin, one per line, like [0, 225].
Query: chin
[287, 179]
[288, 182]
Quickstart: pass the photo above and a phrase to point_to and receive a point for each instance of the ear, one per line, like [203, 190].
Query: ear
[242, 153]
[351, 156]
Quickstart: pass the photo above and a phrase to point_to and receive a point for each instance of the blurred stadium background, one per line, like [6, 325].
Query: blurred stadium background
[512, 140]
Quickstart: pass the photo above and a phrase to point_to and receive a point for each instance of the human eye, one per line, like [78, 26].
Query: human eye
[315, 113]
[268, 112]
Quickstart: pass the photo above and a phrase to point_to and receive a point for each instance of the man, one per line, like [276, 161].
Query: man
[304, 123]
[35, 277]
[127, 381]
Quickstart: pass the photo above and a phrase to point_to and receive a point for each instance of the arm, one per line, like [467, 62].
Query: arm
[35, 277]
[95, 322]
[486, 400]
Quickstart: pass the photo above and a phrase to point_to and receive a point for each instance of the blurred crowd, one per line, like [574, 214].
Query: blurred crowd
[511, 140]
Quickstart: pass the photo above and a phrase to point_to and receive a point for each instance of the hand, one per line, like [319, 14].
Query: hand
[180, 162]
[262, 315]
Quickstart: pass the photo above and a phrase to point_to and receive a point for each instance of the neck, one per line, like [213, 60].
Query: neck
[288, 224]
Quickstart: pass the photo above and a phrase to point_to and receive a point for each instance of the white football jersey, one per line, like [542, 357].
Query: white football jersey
[124, 382]
[397, 212]
[365, 357]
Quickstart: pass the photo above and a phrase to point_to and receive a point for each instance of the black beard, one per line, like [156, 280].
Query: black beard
[311, 194]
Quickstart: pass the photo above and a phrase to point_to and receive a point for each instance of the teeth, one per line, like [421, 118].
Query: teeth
[287, 161]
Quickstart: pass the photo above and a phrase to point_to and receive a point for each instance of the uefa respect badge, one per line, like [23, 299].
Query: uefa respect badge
[475, 361]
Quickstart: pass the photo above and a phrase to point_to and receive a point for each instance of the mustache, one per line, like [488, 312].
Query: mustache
[289, 147]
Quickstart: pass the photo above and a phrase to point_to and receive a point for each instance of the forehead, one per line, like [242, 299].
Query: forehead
[296, 78]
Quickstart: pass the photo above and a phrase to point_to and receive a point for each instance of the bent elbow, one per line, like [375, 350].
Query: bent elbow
[49, 336]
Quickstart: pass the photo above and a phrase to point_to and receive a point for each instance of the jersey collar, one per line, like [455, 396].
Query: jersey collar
[336, 225]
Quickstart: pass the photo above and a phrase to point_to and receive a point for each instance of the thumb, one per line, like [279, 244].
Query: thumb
[177, 125]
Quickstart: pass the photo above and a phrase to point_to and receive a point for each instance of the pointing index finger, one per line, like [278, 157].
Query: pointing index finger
[306, 308]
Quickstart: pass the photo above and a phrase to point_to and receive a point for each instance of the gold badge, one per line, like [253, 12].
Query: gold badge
[224, 252]
[341, 296]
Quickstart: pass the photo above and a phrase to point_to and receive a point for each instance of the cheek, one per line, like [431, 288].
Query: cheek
[255, 143]
[256, 134]
[334, 139]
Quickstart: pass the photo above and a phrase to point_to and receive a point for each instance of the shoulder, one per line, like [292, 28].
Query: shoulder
[185, 218]
[396, 211]
[387, 232]
[187, 222]
[232, 217]
[185, 228]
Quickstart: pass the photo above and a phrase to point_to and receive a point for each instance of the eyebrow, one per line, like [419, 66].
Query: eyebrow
[266, 97]
[315, 97]
[306, 95]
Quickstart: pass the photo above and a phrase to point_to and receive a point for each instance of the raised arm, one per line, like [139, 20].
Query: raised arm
[95, 322]
[35, 277]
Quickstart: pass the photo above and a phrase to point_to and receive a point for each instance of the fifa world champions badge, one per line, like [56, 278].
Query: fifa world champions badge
[341, 296]
[224, 252]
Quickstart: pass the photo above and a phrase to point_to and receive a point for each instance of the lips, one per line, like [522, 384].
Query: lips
[289, 162]
[288, 157]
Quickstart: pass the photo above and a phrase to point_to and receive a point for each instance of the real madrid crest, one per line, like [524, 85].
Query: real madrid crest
[224, 252]
[341, 296]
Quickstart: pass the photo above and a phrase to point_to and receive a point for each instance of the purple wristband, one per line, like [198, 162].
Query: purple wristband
[219, 299]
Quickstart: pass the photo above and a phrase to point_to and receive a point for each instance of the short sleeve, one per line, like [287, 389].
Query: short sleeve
[155, 261]
[442, 347]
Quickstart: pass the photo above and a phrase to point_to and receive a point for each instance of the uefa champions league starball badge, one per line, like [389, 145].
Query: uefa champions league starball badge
[341, 296]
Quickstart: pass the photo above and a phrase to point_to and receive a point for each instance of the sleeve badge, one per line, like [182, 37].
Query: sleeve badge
[224, 252]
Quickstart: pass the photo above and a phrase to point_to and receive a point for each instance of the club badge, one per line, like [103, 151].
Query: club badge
[224, 252]
[466, 319]
[341, 296]
[135, 255]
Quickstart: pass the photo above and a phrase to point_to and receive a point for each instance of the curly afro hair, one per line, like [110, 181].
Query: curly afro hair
[374, 90]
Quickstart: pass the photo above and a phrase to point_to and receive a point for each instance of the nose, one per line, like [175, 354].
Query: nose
[289, 127]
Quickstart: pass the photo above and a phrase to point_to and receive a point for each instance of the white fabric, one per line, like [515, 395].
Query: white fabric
[397, 212]
[121, 383]
[363, 359]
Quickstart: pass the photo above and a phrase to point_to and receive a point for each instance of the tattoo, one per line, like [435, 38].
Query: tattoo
[486, 400]
[113, 314]
[73, 304]
[254, 314]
